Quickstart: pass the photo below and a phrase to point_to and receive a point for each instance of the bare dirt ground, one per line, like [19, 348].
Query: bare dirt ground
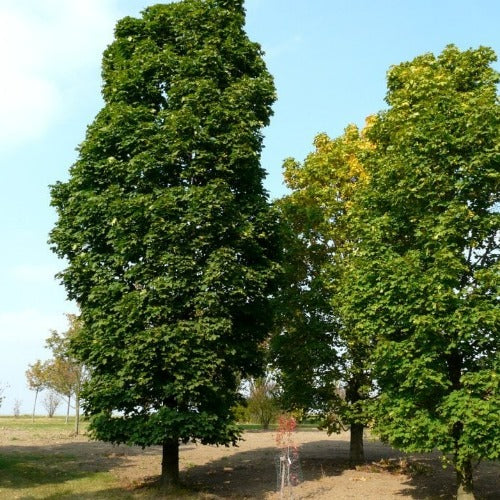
[249, 471]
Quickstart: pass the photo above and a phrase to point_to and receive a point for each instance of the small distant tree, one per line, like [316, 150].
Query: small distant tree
[65, 373]
[51, 402]
[62, 378]
[17, 408]
[262, 402]
[36, 375]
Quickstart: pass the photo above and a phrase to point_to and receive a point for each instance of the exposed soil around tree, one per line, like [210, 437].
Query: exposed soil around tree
[249, 471]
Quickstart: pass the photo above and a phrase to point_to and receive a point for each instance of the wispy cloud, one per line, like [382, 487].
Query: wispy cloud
[43, 46]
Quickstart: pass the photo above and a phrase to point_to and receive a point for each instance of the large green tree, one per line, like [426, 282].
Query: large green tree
[167, 229]
[424, 280]
[321, 363]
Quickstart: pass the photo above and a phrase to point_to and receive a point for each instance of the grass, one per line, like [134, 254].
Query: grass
[36, 462]
[43, 476]
[27, 475]
[25, 423]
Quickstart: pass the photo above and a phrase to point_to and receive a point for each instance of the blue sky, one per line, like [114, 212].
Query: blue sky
[329, 59]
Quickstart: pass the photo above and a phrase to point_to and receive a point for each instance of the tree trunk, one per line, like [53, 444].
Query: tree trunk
[170, 463]
[77, 411]
[67, 408]
[464, 482]
[356, 451]
[353, 396]
[34, 406]
[463, 468]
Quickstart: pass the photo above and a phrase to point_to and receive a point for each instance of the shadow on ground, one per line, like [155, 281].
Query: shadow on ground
[31, 466]
[253, 474]
[248, 474]
[51, 470]
[429, 480]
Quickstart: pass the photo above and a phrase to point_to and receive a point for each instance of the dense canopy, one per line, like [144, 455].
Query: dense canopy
[167, 229]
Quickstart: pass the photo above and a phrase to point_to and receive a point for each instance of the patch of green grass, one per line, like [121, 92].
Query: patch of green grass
[25, 423]
[61, 476]
[33, 476]
[50, 474]
[26, 475]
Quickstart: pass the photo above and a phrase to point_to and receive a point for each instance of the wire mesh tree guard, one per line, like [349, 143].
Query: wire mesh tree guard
[287, 461]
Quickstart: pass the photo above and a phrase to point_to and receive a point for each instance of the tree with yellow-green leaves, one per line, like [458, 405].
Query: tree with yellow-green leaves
[36, 377]
[321, 363]
[64, 373]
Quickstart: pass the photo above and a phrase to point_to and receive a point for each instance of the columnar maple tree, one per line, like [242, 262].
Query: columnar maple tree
[167, 230]
[424, 281]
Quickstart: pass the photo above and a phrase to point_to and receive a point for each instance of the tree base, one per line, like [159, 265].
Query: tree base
[464, 494]
[465, 489]
[170, 464]
[356, 449]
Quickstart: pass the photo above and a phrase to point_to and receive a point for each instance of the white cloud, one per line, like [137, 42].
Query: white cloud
[43, 48]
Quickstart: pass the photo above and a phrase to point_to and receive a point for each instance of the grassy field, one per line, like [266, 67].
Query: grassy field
[44, 459]
[25, 423]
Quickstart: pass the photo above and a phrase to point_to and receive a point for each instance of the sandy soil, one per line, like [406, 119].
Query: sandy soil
[249, 470]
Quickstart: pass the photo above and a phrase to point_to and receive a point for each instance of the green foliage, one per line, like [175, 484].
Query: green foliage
[36, 376]
[262, 403]
[423, 283]
[167, 229]
[313, 347]
[64, 373]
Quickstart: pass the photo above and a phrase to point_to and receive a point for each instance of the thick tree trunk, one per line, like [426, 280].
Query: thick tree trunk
[464, 482]
[356, 450]
[170, 463]
[353, 396]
